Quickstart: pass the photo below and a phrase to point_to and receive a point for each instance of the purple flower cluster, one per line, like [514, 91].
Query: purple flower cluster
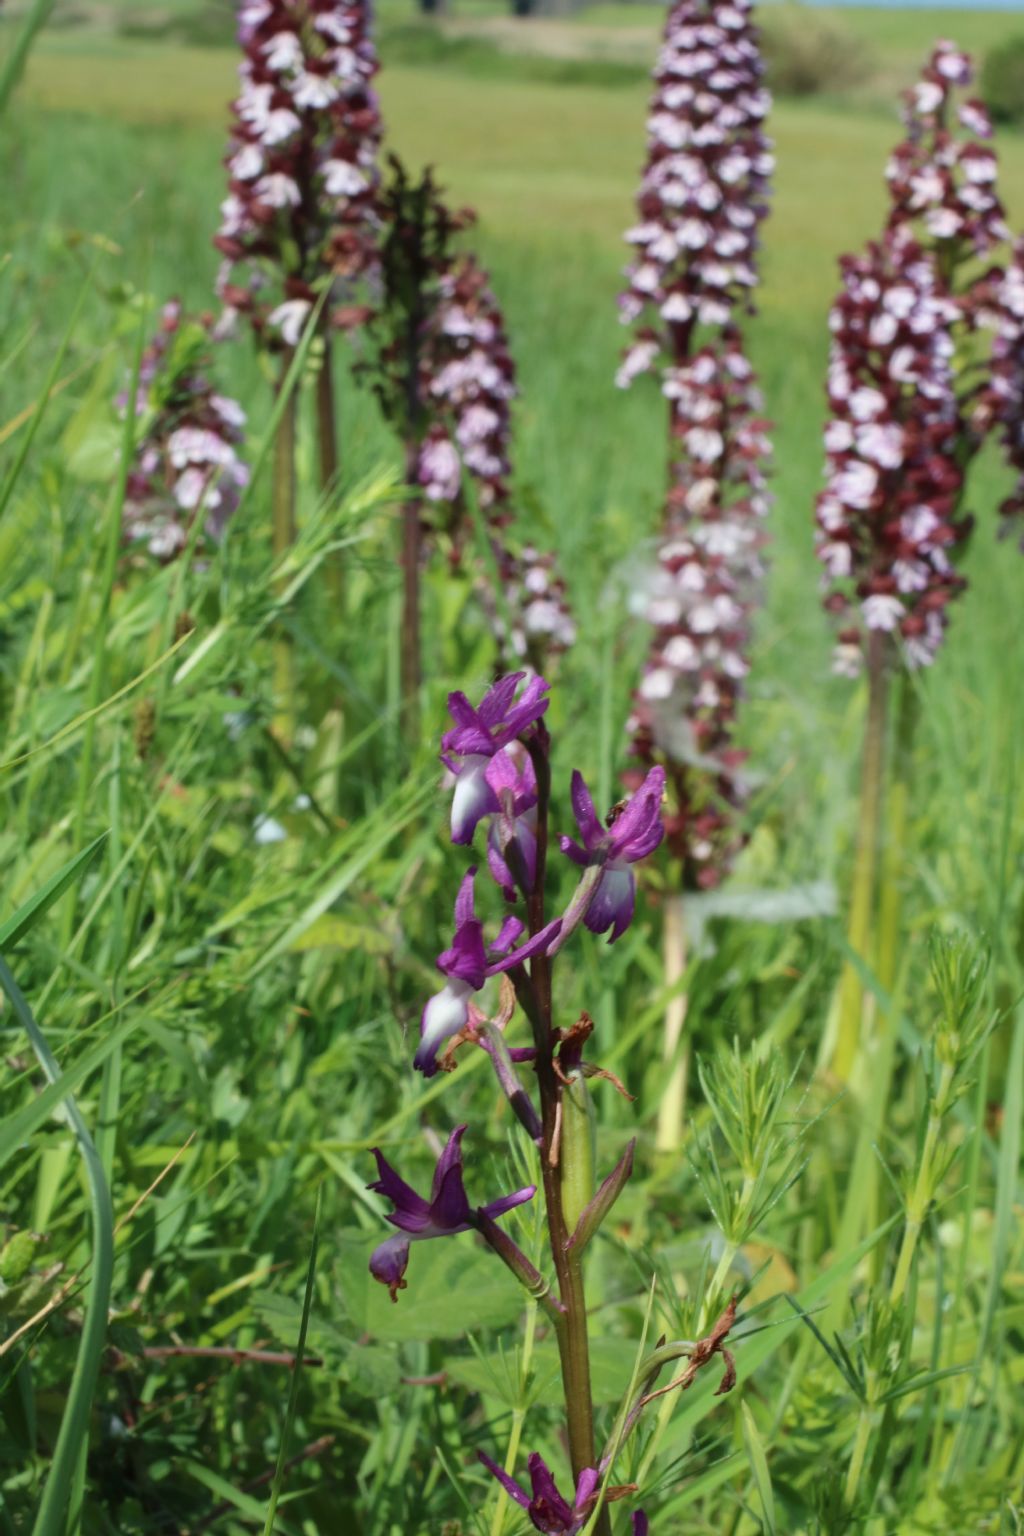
[699, 600]
[913, 387]
[186, 462]
[302, 163]
[705, 185]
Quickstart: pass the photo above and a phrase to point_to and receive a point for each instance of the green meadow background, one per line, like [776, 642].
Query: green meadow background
[261, 992]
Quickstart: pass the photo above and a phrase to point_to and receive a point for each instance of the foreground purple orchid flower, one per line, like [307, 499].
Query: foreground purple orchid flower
[633, 832]
[546, 1508]
[447, 1211]
[511, 839]
[466, 966]
[477, 736]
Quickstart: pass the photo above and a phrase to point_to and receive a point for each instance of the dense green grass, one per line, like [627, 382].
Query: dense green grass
[266, 988]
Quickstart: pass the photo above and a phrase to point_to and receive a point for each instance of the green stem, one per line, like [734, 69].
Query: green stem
[573, 1342]
[923, 1191]
[327, 446]
[675, 1052]
[283, 515]
[74, 1426]
[860, 1450]
[411, 665]
[851, 992]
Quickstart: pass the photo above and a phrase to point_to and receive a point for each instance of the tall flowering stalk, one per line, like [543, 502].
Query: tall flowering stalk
[924, 366]
[187, 462]
[445, 378]
[702, 198]
[499, 755]
[300, 219]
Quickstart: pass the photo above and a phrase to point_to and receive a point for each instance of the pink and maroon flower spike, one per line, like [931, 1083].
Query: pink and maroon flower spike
[469, 380]
[447, 1212]
[942, 178]
[633, 832]
[700, 600]
[302, 164]
[465, 967]
[889, 519]
[187, 462]
[704, 189]
[914, 388]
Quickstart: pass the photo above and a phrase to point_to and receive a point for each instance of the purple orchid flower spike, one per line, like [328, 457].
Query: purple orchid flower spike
[511, 840]
[465, 967]
[477, 736]
[632, 833]
[546, 1507]
[446, 1212]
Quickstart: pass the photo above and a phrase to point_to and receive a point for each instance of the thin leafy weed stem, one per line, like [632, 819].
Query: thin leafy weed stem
[518, 1416]
[865, 1421]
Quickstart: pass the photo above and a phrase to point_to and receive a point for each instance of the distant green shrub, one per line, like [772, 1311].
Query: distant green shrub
[208, 25]
[1002, 81]
[807, 53]
[423, 44]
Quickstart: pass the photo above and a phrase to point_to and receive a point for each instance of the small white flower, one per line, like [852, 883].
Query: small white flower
[283, 52]
[342, 179]
[247, 163]
[311, 92]
[290, 319]
[882, 611]
[278, 190]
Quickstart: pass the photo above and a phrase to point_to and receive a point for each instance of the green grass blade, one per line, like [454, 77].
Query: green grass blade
[759, 1467]
[293, 1391]
[14, 64]
[32, 910]
[74, 1425]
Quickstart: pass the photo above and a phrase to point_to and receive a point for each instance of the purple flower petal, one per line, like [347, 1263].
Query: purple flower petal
[388, 1263]
[526, 951]
[641, 1524]
[586, 1489]
[509, 931]
[574, 851]
[548, 1510]
[613, 902]
[450, 1159]
[465, 911]
[590, 827]
[639, 830]
[529, 708]
[473, 797]
[495, 703]
[505, 1203]
[393, 1188]
[444, 1015]
[496, 864]
[510, 1486]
